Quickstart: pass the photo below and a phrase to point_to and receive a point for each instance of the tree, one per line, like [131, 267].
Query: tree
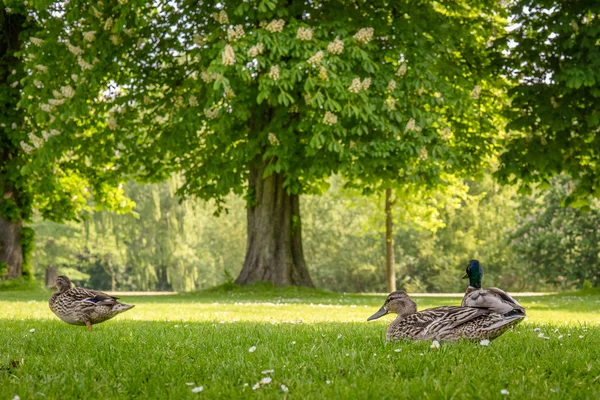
[555, 112]
[261, 99]
[58, 191]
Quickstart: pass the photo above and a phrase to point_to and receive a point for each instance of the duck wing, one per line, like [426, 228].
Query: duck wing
[91, 296]
[438, 321]
[494, 299]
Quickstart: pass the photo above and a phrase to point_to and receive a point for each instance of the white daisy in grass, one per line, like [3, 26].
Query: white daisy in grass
[580, 336]
[536, 330]
[294, 342]
[32, 330]
[176, 326]
[485, 342]
[347, 354]
[284, 389]
[421, 354]
[266, 380]
[252, 349]
[256, 386]
[339, 336]
[504, 392]
[268, 371]
[190, 383]
[560, 337]
[435, 344]
[16, 398]
[398, 350]
[197, 389]
[328, 382]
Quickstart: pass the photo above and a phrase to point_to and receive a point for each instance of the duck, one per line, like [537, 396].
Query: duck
[492, 298]
[79, 306]
[446, 323]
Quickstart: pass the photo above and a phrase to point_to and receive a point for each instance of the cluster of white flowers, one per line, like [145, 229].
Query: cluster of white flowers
[356, 85]
[316, 59]
[329, 118]
[14, 84]
[122, 2]
[74, 49]
[221, 17]
[26, 147]
[275, 26]
[37, 142]
[37, 41]
[228, 55]
[366, 83]
[423, 154]
[336, 47]
[256, 50]
[390, 103]
[46, 108]
[179, 101]
[401, 71]
[274, 72]
[56, 102]
[391, 86]
[47, 135]
[97, 13]
[476, 92]
[67, 91]
[209, 76]
[211, 113]
[83, 64]
[229, 93]
[89, 36]
[323, 74]
[193, 101]
[112, 124]
[200, 40]
[304, 34]
[364, 35]
[108, 24]
[273, 139]
[410, 126]
[74, 77]
[38, 84]
[235, 33]
[41, 68]
[128, 32]
[115, 39]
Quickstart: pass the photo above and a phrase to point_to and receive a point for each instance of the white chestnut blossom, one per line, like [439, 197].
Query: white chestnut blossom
[336, 47]
[211, 113]
[228, 55]
[274, 72]
[401, 71]
[229, 93]
[323, 74]
[256, 50]
[67, 91]
[275, 26]
[37, 142]
[365, 35]
[391, 86]
[423, 154]
[316, 59]
[390, 103]
[112, 124]
[89, 36]
[235, 33]
[329, 118]
[108, 24]
[273, 139]
[37, 41]
[41, 68]
[221, 17]
[56, 102]
[476, 92]
[83, 64]
[115, 39]
[366, 83]
[14, 84]
[193, 101]
[410, 126]
[26, 147]
[304, 34]
[74, 49]
[46, 108]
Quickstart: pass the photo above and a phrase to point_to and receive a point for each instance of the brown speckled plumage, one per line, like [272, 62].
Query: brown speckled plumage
[79, 306]
[447, 323]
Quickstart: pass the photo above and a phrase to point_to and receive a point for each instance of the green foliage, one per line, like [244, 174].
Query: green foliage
[311, 88]
[555, 120]
[559, 245]
[319, 346]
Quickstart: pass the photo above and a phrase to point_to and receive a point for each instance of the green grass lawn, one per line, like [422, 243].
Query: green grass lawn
[316, 344]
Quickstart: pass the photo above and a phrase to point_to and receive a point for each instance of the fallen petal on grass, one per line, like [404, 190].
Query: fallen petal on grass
[198, 389]
[484, 342]
[252, 349]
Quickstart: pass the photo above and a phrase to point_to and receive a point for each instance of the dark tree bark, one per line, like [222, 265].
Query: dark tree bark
[51, 275]
[274, 248]
[11, 251]
[390, 275]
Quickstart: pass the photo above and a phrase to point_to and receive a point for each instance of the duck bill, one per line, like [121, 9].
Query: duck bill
[382, 311]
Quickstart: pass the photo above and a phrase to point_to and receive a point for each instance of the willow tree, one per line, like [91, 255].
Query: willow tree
[264, 99]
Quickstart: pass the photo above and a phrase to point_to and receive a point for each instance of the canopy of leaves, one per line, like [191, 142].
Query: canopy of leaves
[555, 54]
[148, 88]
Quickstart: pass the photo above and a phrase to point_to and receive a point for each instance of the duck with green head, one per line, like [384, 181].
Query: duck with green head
[492, 298]
[447, 323]
[79, 306]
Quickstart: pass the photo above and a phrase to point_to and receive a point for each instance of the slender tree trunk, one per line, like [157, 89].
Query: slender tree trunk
[51, 275]
[390, 274]
[274, 248]
[11, 251]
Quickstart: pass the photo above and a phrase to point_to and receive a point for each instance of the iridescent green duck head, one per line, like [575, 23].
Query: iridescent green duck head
[62, 284]
[397, 302]
[474, 273]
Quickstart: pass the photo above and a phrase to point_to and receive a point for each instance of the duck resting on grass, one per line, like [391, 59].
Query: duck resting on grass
[492, 298]
[447, 323]
[79, 306]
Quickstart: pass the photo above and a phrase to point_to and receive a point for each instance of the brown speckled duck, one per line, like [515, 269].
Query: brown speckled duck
[79, 306]
[448, 323]
[492, 298]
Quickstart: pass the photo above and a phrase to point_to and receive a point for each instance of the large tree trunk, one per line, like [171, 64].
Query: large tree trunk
[11, 251]
[390, 275]
[274, 248]
[51, 275]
